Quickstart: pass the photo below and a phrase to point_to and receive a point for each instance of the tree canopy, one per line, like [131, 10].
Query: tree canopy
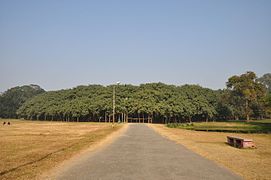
[244, 97]
[93, 102]
[266, 80]
[13, 98]
[246, 92]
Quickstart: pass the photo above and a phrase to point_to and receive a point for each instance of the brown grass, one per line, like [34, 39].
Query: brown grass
[248, 163]
[29, 148]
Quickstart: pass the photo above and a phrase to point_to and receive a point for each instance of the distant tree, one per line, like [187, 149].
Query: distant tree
[246, 90]
[267, 105]
[13, 98]
[164, 103]
[223, 107]
[266, 80]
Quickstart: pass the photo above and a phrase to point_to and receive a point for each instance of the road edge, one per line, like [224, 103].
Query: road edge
[156, 129]
[96, 147]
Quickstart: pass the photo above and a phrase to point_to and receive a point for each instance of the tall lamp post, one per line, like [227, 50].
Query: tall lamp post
[114, 101]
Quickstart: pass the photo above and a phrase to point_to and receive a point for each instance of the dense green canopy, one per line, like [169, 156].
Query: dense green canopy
[244, 97]
[13, 98]
[94, 102]
[266, 80]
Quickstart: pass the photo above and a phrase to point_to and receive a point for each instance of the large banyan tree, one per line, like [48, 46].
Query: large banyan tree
[161, 102]
[245, 97]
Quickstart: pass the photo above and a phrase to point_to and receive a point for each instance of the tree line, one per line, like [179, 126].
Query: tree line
[245, 97]
[13, 98]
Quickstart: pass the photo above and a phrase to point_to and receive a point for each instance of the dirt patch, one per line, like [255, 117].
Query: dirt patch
[248, 163]
[30, 148]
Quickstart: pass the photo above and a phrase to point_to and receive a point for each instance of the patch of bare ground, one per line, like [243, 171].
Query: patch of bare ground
[248, 163]
[30, 148]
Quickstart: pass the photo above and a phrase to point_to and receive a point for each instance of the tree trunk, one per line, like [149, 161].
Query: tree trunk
[247, 117]
[123, 117]
[247, 112]
[105, 117]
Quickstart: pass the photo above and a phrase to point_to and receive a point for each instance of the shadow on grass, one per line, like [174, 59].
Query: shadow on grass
[32, 162]
[262, 125]
[256, 126]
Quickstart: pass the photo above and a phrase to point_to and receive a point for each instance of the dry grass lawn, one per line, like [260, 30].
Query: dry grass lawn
[29, 148]
[248, 163]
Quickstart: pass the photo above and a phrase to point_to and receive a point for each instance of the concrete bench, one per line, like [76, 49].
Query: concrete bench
[240, 142]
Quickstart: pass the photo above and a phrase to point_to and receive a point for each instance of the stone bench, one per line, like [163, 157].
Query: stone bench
[240, 142]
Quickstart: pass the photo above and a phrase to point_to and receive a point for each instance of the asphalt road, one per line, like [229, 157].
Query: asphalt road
[141, 153]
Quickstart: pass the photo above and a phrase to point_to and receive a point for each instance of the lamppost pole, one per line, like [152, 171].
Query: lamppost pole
[114, 100]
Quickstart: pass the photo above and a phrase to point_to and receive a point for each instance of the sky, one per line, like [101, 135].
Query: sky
[61, 44]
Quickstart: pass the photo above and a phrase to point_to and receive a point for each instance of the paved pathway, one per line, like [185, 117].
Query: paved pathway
[141, 153]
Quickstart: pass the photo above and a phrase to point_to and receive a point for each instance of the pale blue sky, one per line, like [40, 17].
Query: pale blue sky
[61, 44]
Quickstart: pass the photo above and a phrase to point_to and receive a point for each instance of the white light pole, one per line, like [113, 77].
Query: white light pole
[114, 101]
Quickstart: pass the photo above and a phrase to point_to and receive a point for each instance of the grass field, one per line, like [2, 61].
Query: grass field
[248, 163]
[257, 126]
[30, 148]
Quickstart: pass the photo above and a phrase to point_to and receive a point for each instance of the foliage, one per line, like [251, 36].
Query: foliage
[13, 98]
[246, 92]
[244, 97]
[165, 103]
[266, 80]
[267, 105]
